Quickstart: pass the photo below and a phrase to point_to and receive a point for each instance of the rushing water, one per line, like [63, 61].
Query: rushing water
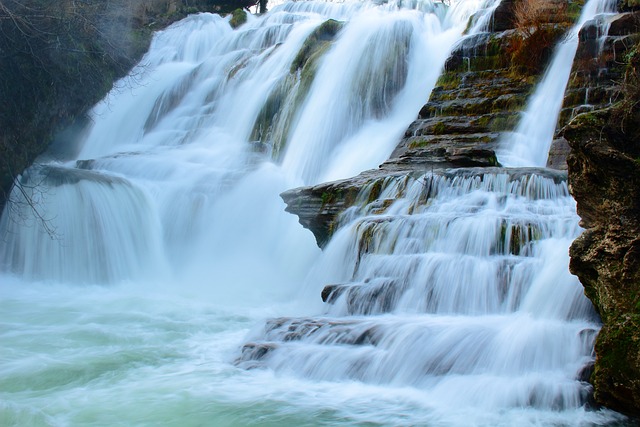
[529, 144]
[162, 246]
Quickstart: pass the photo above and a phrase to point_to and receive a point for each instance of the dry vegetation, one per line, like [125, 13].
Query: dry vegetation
[626, 113]
[540, 23]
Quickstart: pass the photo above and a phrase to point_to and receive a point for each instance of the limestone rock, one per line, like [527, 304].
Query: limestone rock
[558, 154]
[604, 176]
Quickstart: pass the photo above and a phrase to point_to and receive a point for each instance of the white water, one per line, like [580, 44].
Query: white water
[466, 297]
[529, 144]
[171, 247]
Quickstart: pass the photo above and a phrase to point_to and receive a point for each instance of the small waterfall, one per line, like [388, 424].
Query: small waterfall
[529, 144]
[109, 230]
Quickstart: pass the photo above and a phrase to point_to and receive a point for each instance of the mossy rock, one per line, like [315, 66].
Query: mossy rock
[273, 121]
[531, 56]
[317, 40]
[439, 128]
[449, 80]
[627, 5]
[238, 17]
[618, 362]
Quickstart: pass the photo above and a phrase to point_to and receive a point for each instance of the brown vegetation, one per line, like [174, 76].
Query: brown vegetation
[626, 113]
[540, 23]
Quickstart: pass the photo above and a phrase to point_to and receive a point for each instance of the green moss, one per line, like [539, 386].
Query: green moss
[513, 103]
[327, 198]
[274, 119]
[449, 80]
[439, 128]
[318, 39]
[238, 17]
[495, 46]
[483, 63]
[375, 191]
[483, 121]
[589, 120]
[498, 122]
[616, 347]
[574, 9]
[575, 96]
[504, 123]
[421, 142]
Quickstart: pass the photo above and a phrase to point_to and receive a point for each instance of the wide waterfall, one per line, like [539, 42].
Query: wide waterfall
[149, 274]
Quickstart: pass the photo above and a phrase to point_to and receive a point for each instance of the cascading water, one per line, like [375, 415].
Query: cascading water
[204, 112]
[441, 311]
[459, 289]
[529, 144]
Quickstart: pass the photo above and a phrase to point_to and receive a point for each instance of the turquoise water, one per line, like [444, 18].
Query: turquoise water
[120, 356]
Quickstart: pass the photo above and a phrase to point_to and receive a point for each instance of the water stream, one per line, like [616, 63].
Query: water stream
[529, 144]
[162, 283]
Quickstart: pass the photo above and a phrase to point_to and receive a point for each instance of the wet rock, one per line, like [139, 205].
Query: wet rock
[503, 17]
[320, 330]
[625, 24]
[604, 178]
[558, 153]
[599, 66]
[585, 372]
[319, 207]
[331, 292]
[252, 353]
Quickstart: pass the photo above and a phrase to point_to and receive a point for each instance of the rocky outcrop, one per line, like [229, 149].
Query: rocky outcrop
[319, 208]
[604, 177]
[599, 65]
[604, 174]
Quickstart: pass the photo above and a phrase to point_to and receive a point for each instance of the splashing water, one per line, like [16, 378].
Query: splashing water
[171, 244]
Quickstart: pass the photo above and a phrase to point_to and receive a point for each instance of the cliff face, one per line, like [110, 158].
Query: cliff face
[604, 175]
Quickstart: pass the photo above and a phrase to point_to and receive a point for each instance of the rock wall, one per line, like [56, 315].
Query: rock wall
[604, 177]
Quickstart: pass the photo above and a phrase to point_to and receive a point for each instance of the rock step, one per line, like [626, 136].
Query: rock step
[416, 349]
[319, 207]
[462, 106]
[424, 288]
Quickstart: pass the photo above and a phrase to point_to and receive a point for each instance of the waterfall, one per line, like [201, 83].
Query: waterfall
[200, 128]
[136, 276]
[529, 144]
[465, 295]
